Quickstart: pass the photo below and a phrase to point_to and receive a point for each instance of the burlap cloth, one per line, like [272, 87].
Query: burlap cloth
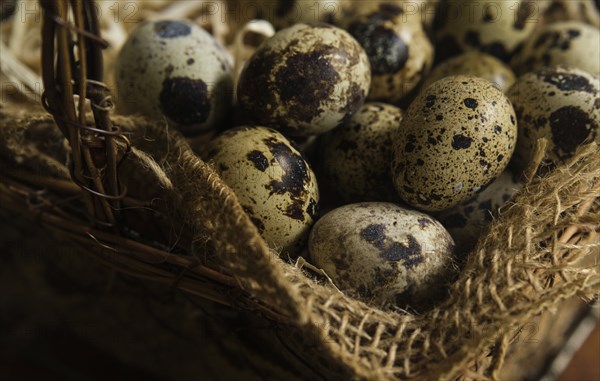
[524, 265]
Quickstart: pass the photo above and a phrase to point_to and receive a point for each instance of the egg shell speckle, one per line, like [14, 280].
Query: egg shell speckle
[476, 64]
[570, 43]
[177, 70]
[456, 137]
[305, 80]
[557, 103]
[399, 51]
[572, 10]
[466, 222]
[498, 28]
[273, 182]
[356, 157]
[382, 253]
[284, 13]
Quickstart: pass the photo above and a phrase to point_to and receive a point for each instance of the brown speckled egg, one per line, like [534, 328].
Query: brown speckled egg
[399, 50]
[275, 185]
[465, 222]
[356, 157]
[569, 43]
[498, 28]
[284, 13]
[382, 253]
[476, 64]
[455, 138]
[176, 70]
[305, 80]
[560, 104]
[587, 11]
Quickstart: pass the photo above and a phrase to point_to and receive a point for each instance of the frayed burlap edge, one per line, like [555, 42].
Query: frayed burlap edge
[208, 205]
[519, 269]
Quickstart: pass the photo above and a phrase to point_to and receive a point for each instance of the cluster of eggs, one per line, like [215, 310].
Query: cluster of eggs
[403, 186]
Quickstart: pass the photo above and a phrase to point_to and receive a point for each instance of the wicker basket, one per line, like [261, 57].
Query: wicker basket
[131, 194]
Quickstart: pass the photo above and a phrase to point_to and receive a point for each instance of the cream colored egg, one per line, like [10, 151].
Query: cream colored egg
[175, 70]
[399, 51]
[356, 157]
[285, 13]
[273, 182]
[476, 64]
[305, 80]
[382, 253]
[557, 103]
[455, 138]
[570, 43]
[498, 28]
[466, 222]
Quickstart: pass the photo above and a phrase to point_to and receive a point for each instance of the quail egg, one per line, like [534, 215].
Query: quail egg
[176, 70]
[465, 222]
[569, 43]
[587, 11]
[305, 80]
[498, 28]
[399, 50]
[558, 103]
[383, 253]
[285, 13]
[273, 182]
[476, 64]
[356, 157]
[456, 137]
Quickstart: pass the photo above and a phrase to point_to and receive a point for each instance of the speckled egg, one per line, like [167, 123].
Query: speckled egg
[570, 43]
[273, 182]
[305, 80]
[587, 11]
[498, 28]
[399, 51]
[383, 253]
[466, 222]
[176, 70]
[356, 157]
[476, 64]
[557, 103]
[456, 137]
[284, 13]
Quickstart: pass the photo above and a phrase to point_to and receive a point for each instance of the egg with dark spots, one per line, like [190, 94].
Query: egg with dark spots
[466, 222]
[456, 137]
[569, 43]
[399, 51]
[383, 254]
[498, 28]
[175, 70]
[285, 13]
[560, 104]
[271, 179]
[356, 157]
[305, 80]
[587, 11]
[476, 64]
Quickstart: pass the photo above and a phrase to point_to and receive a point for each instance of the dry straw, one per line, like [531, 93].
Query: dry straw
[542, 249]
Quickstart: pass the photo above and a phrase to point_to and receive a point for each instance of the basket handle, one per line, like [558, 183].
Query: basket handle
[72, 74]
